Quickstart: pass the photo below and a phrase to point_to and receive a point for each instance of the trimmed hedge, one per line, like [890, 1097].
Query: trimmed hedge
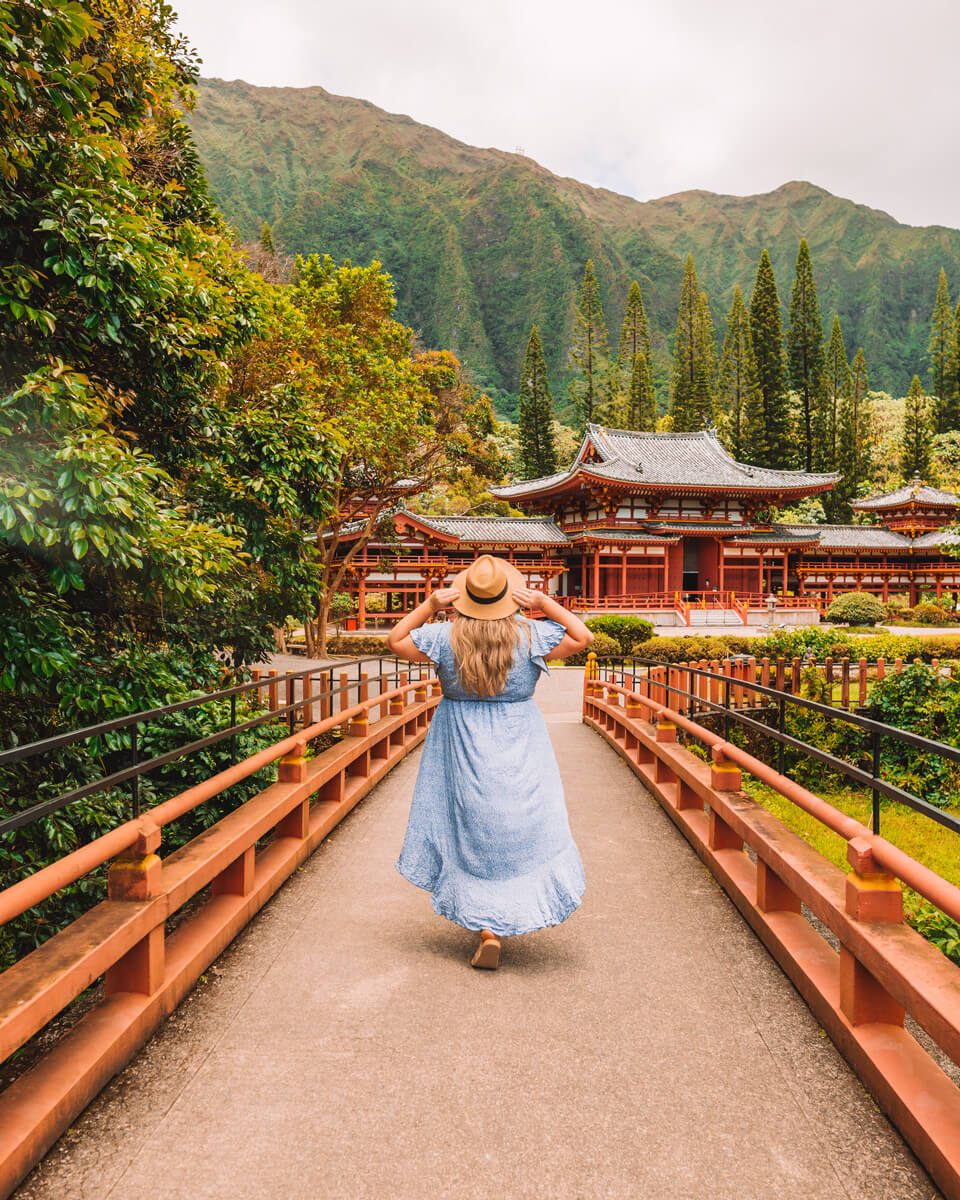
[603, 646]
[856, 608]
[356, 647]
[625, 631]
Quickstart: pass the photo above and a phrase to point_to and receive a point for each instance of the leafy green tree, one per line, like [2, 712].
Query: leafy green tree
[635, 332]
[917, 432]
[641, 408]
[694, 357]
[738, 390]
[805, 352]
[538, 449]
[589, 352]
[943, 370]
[266, 239]
[836, 386]
[855, 436]
[769, 429]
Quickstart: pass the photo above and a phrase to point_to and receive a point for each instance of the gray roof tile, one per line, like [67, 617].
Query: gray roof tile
[916, 492]
[497, 530]
[850, 537]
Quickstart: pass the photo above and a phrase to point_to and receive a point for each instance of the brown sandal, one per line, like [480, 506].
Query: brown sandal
[488, 952]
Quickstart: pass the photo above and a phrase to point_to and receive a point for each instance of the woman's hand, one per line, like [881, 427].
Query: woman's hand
[529, 598]
[443, 597]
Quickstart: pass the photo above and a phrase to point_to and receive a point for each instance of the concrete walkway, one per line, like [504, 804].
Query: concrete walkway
[343, 1048]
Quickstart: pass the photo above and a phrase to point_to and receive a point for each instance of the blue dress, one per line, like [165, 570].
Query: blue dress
[488, 833]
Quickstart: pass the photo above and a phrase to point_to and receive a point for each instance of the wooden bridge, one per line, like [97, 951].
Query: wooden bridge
[664, 1042]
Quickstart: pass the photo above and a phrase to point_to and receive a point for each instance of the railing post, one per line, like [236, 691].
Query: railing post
[873, 896]
[138, 876]
[293, 769]
[724, 774]
[781, 672]
[862, 683]
[360, 725]
[845, 683]
[765, 672]
[273, 692]
[773, 895]
[795, 676]
[881, 669]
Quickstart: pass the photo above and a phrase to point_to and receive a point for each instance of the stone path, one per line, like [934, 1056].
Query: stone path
[343, 1048]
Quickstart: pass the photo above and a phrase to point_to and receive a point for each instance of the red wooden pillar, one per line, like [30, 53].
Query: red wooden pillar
[595, 582]
[623, 573]
[784, 574]
[719, 565]
[362, 602]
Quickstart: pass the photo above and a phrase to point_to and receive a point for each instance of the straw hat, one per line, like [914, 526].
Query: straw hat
[485, 588]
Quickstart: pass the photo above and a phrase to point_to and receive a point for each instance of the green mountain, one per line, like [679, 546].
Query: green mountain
[482, 243]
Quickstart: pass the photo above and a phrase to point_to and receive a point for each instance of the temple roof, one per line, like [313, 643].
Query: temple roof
[535, 531]
[916, 492]
[854, 537]
[664, 460]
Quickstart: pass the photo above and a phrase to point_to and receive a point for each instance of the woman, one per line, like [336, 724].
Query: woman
[488, 834]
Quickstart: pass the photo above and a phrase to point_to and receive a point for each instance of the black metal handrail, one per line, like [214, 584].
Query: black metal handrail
[138, 768]
[877, 729]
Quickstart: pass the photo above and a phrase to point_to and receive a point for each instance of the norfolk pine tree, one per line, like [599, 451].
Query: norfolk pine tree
[917, 432]
[738, 392]
[635, 333]
[805, 352]
[589, 352]
[266, 239]
[941, 350]
[836, 384]
[854, 440]
[694, 357]
[769, 431]
[538, 449]
[642, 399]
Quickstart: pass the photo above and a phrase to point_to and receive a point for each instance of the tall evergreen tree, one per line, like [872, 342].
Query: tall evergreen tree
[642, 399]
[538, 447]
[805, 352]
[940, 351]
[836, 384]
[738, 391]
[266, 239]
[694, 357]
[589, 353]
[635, 332]
[854, 440]
[956, 350]
[917, 432]
[769, 432]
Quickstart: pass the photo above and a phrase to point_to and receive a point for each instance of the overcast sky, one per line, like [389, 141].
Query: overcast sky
[738, 96]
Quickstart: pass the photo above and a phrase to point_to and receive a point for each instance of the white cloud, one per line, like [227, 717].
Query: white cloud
[645, 98]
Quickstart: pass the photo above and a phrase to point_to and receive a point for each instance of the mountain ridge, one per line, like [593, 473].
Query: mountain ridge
[482, 242]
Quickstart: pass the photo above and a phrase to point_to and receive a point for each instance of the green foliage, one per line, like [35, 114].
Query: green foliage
[341, 605]
[835, 392]
[589, 352]
[603, 646]
[692, 403]
[768, 427]
[927, 613]
[738, 388]
[538, 450]
[856, 435]
[856, 608]
[917, 432]
[690, 649]
[350, 646]
[635, 332]
[805, 355]
[266, 239]
[943, 368]
[626, 631]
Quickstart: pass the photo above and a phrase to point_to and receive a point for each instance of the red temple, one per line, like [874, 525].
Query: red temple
[671, 524]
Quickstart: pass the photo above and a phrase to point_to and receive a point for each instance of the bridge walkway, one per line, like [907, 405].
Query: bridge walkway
[342, 1047]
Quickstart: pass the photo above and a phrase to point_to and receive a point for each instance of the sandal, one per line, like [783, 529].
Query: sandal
[488, 952]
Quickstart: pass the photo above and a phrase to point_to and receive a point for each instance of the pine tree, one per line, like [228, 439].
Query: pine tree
[917, 432]
[956, 350]
[836, 384]
[266, 239]
[940, 351]
[635, 332]
[642, 399]
[738, 392]
[538, 447]
[769, 432]
[805, 352]
[694, 357]
[589, 353]
[854, 441]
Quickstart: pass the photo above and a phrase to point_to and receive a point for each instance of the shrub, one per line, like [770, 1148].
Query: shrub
[357, 647]
[376, 602]
[603, 646]
[856, 608]
[927, 613]
[626, 631]
[687, 649]
[341, 605]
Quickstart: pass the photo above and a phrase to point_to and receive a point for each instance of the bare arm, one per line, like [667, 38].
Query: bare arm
[399, 640]
[577, 636]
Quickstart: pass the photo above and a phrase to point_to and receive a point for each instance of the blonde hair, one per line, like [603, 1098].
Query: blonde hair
[484, 652]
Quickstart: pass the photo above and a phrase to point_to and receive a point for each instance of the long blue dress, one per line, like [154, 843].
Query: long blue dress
[488, 833]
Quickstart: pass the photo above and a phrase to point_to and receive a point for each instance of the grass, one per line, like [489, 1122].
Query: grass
[924, 840]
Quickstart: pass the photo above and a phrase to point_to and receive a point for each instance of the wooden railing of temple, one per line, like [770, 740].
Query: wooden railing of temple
[871, 969]
[243, 858]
